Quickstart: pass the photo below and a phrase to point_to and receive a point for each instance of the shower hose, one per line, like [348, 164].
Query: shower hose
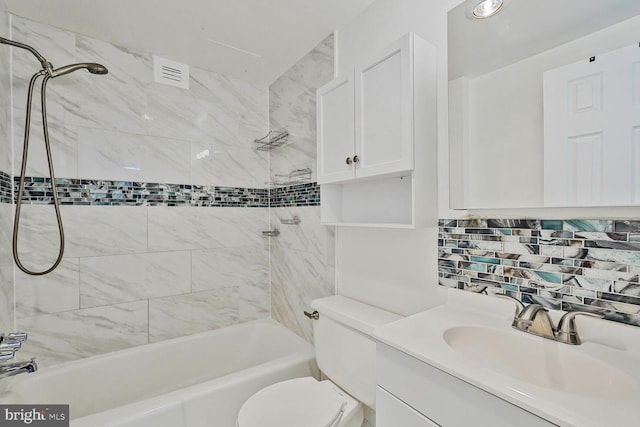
[23, 168]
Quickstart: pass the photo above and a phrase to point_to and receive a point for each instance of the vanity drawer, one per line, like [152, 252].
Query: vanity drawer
[391, 412]
[445, 399]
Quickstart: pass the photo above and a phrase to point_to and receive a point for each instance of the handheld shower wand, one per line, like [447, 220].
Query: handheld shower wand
[47, 72]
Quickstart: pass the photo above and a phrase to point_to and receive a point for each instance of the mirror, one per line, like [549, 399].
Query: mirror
[497, 96]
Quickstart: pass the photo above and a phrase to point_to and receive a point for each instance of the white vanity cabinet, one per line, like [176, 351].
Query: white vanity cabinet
[411, 390]
[377, 138]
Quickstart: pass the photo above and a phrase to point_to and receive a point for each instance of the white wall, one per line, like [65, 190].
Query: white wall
[392, 269]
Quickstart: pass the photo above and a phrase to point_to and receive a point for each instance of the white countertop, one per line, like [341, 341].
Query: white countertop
[618, 345]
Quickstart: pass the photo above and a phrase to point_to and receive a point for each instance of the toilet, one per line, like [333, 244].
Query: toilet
[345, 353]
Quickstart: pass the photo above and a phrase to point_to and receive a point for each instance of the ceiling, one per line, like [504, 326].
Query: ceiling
[254, 40]
[524, 28]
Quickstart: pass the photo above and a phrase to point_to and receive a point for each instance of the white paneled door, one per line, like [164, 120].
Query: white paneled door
[592, 131]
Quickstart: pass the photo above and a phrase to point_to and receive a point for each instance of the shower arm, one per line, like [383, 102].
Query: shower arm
[46, 65]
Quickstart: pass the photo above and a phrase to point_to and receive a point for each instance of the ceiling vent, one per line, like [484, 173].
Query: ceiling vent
[170, 72]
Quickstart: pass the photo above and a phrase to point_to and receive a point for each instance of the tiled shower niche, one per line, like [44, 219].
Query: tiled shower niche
[591, 265]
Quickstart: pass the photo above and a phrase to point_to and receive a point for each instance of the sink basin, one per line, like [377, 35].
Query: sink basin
[540, 362]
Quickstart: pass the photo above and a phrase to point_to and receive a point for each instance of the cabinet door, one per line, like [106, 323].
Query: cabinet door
[335, 131]
[384, 112]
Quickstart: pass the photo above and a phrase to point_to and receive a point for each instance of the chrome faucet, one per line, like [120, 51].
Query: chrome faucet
[9, 345]
[534, 319]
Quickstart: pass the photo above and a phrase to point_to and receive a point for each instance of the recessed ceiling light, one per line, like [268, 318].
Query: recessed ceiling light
[487, 8]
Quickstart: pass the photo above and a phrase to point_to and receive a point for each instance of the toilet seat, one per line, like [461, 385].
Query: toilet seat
[299, 402]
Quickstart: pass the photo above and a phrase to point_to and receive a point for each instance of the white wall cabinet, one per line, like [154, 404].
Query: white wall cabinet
[442, 399]
[377, 139]
[335, 131]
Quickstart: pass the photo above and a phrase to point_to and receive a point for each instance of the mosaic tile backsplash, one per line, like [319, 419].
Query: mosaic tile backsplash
[591, 265]
[127, 193]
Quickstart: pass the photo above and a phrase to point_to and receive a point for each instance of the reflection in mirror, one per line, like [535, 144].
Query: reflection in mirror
[497, 113]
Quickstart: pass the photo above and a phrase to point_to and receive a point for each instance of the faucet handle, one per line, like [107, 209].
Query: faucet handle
[519, 305]
[10, 344]
[7, 355]
[15, 336]
[567, 331]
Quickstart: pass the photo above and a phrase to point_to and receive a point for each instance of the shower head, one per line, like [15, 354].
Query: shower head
[89, 66]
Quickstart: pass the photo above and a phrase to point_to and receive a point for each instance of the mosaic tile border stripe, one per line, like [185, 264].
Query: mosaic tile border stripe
[296, 195]
[591, 265]
[128, 193]
[5, 188]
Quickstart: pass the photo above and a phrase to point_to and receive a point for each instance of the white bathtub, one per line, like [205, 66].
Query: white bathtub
[196, 381]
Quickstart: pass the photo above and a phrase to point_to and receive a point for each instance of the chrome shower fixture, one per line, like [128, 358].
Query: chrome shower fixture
[47, 72]
[91, 67]
[46, 65]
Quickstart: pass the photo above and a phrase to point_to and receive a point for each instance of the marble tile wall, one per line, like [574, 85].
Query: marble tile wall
[6, 218]
[591, 265]
[302, 256]
[187, 258]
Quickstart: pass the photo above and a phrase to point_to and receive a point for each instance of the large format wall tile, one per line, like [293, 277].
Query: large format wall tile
[89, 231]
[228, 267]
[171, 317]
[302, 256]
[64, 148]
[6, 269]
[122, 278]
[293, 107]
[58, 46]
[6, 263]
[297, 278]
[254, 302]
[5, 100]
[309, 235]
[55, 292]
[225, 166]
[124, 65]
[103, 102]
[177, 113]
[191, 228]
[56, 338]
[130, 157]
[236, 95]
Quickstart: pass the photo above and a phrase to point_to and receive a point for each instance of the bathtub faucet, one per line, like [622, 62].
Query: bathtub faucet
[9, 345]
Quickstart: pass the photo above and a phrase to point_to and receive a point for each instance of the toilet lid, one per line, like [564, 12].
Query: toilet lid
[298, 402]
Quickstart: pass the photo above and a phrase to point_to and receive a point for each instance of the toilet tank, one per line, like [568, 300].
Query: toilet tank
[345, 350]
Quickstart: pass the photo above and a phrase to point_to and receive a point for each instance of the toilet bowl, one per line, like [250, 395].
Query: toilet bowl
[301, 402]
[345, 353]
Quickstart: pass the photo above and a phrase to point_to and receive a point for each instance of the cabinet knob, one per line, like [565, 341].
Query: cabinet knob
[355, 159]
[348, 161]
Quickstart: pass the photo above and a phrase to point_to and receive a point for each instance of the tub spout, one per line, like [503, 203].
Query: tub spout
[15, 368]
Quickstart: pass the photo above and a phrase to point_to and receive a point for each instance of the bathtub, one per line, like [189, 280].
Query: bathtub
[195, 381]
